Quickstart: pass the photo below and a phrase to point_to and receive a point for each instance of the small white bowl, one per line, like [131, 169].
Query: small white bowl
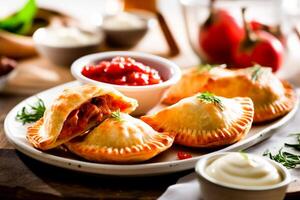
[64, 54]
[213, 189]
[118, 35]
[147, 96]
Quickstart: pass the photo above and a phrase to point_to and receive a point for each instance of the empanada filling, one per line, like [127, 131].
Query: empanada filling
[89, 114]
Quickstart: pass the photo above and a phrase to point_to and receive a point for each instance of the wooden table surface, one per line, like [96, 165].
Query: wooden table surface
[24, 178]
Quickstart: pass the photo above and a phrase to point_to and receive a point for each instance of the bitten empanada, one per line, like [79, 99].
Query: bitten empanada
[121, 139]
[75, 111]
[205, 120]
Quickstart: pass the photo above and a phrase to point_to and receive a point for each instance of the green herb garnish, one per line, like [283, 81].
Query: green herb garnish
[33, 113]
[244, 155]
[210, 98]
[287, 159]
[116, 115]
[208, 67]
[21, 21]
[256, 72]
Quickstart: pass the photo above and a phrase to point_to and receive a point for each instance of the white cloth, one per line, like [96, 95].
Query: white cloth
[188, 186]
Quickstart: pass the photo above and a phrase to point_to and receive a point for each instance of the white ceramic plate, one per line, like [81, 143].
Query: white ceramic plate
[163, 163]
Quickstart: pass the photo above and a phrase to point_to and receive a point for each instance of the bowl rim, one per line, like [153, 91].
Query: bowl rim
[201, 164]
[78, 64]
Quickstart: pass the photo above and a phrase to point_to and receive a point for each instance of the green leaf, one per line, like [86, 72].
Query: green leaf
[285, 158]
[31, 114]
[256, 72]
[210, 98]
[244, 155]
[207, 67]
[21, 21]
[116, 115]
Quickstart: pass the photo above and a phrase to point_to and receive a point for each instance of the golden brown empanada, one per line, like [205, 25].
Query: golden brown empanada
[75, 111]
[205, 120]
[121, 139]
[192, 82]
[271, 97]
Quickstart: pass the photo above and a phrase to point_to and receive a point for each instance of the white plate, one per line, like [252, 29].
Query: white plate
[164, 163]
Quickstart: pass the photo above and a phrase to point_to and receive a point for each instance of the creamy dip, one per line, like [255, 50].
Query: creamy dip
[243, 170]
[123, 21]
[66, 37]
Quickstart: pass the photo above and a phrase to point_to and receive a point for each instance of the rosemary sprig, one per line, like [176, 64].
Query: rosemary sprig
[33, 113]
[287, 159]
[116, 115]
[210, 98]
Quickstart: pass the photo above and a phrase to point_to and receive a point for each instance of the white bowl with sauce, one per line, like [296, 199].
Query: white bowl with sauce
[240, 176]
[63, 45]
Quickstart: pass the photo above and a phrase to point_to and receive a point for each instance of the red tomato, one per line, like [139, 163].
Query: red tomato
[121, 81]
[219, 36]
[122, 71]
[89, 70]
[262, 48]
[275, 30]
[114, 68]
[183, 155]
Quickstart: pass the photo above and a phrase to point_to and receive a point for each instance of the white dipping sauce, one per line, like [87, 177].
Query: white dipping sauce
[66, 37]
[124, 21]
[243, 169]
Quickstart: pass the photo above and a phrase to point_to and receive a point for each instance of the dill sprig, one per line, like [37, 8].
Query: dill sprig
[256, 72]
[32, 113]
[208, 67]
[116, 115]
[208, 97]
[287, 159]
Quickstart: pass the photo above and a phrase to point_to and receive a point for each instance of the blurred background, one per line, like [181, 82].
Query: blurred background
[39, 39]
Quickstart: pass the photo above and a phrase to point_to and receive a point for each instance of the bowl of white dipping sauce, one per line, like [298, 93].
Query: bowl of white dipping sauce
[241, 176]
[125, 29]
[62, 45]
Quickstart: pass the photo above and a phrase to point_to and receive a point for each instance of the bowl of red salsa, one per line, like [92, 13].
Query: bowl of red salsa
[142, 76]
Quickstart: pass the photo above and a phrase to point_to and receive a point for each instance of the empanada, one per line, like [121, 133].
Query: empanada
[192, 82]
[75, 111]
[271, 97]
[205, 120]
[121, 139]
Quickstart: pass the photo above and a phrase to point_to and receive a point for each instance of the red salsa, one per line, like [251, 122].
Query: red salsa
[122, 71]
[183, 155]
